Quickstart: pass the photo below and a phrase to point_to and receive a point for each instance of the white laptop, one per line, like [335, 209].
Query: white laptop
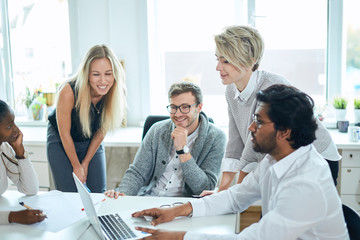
[109, 226]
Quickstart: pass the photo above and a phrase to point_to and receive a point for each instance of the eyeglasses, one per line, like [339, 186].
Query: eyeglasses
[172, 205]
[258, 123]
[184, 108]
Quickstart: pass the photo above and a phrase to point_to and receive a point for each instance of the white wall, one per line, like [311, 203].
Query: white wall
[122, 25]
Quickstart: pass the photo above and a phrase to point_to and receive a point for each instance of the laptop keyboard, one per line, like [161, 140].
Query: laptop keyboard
[115, 227]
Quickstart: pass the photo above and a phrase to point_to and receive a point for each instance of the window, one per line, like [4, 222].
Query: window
[295, 38]
[351, 71]
[183, 48]
[38, 47]
[295, 35]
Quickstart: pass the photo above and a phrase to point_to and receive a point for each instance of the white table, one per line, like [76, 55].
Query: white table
[224, 224]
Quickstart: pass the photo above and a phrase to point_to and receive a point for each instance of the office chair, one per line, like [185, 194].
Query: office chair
[151, 119]
[352, 220]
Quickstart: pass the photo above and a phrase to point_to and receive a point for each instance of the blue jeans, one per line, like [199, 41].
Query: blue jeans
[62, 169]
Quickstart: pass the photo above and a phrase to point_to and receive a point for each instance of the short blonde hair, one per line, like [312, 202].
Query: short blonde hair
[113, 113]
[242, 46]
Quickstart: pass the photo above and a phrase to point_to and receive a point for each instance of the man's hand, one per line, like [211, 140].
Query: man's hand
[162, 215]
[26, 216]
[113, 194]
[161, 234]
[179, 136]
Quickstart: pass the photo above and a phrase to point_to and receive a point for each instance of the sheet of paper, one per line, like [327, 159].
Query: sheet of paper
[61, 209]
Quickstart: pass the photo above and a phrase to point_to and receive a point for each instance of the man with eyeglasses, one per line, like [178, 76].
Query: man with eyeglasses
[180, 156]
[293, 181]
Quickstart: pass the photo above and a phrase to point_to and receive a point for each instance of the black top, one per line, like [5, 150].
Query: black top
[76, 129]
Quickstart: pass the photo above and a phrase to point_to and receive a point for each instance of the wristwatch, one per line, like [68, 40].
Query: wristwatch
[184, 150]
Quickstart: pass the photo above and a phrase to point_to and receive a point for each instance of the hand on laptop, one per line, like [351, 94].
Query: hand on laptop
[161, 234]
[162, 215]
[113, 193]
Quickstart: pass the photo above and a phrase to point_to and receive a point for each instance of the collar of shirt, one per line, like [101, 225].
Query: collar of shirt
[281, 167]
[249, 89]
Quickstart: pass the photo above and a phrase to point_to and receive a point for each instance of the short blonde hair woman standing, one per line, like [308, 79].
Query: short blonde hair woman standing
[239, 50]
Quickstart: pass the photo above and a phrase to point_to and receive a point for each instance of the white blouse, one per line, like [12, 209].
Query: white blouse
[20, 172]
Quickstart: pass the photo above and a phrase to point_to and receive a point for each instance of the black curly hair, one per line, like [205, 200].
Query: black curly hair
[4, 109]
[290, 108]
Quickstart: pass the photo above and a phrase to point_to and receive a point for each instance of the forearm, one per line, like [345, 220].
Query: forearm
[242, 175]
[70, 150]
[94, 145]
[28, 183]
[199, 178]
[183, 210]
[226, 180]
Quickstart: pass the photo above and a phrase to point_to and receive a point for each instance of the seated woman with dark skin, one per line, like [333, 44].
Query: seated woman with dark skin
[16, 165]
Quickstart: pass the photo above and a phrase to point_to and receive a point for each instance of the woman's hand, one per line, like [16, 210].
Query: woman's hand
[113, 194]
[85, 166]
[26, 216]
[80, 173]
[18, 146]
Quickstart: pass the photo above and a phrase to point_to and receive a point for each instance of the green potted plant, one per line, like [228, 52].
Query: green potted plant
[357, 110]
[340, 104]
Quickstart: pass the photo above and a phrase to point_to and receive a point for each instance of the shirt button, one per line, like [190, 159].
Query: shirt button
[175, 169]
[169, 181]
[165, 189]
[163, 162]
[177, 156]
[155, 178]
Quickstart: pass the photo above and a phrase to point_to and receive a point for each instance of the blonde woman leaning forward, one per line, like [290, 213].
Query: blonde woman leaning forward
[89, 104]
[16, 165]
[239, 50]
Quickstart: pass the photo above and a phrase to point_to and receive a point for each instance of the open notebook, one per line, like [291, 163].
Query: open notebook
[109, 226]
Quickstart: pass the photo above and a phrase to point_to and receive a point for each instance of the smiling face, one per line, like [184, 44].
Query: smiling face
[101, 77]
[8, 130]
[263, 133]
[230, 74]
[186, 120]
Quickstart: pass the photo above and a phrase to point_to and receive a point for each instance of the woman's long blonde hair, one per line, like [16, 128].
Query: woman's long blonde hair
[113, 113]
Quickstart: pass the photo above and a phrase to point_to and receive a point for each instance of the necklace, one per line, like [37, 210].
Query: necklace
[98, 110]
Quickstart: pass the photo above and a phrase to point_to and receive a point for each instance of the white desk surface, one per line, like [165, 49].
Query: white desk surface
[131, 137]
[224, 224]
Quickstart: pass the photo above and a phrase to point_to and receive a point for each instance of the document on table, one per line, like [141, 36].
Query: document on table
[62, 210]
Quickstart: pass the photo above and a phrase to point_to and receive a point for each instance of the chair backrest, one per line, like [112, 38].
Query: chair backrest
[352, 220]
[151, 119]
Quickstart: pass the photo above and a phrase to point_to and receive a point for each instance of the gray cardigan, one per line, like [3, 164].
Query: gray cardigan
[200, 172]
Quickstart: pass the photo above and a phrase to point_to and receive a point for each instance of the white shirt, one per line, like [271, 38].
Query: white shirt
[26, 181]
[171, 182]
[299, 200]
